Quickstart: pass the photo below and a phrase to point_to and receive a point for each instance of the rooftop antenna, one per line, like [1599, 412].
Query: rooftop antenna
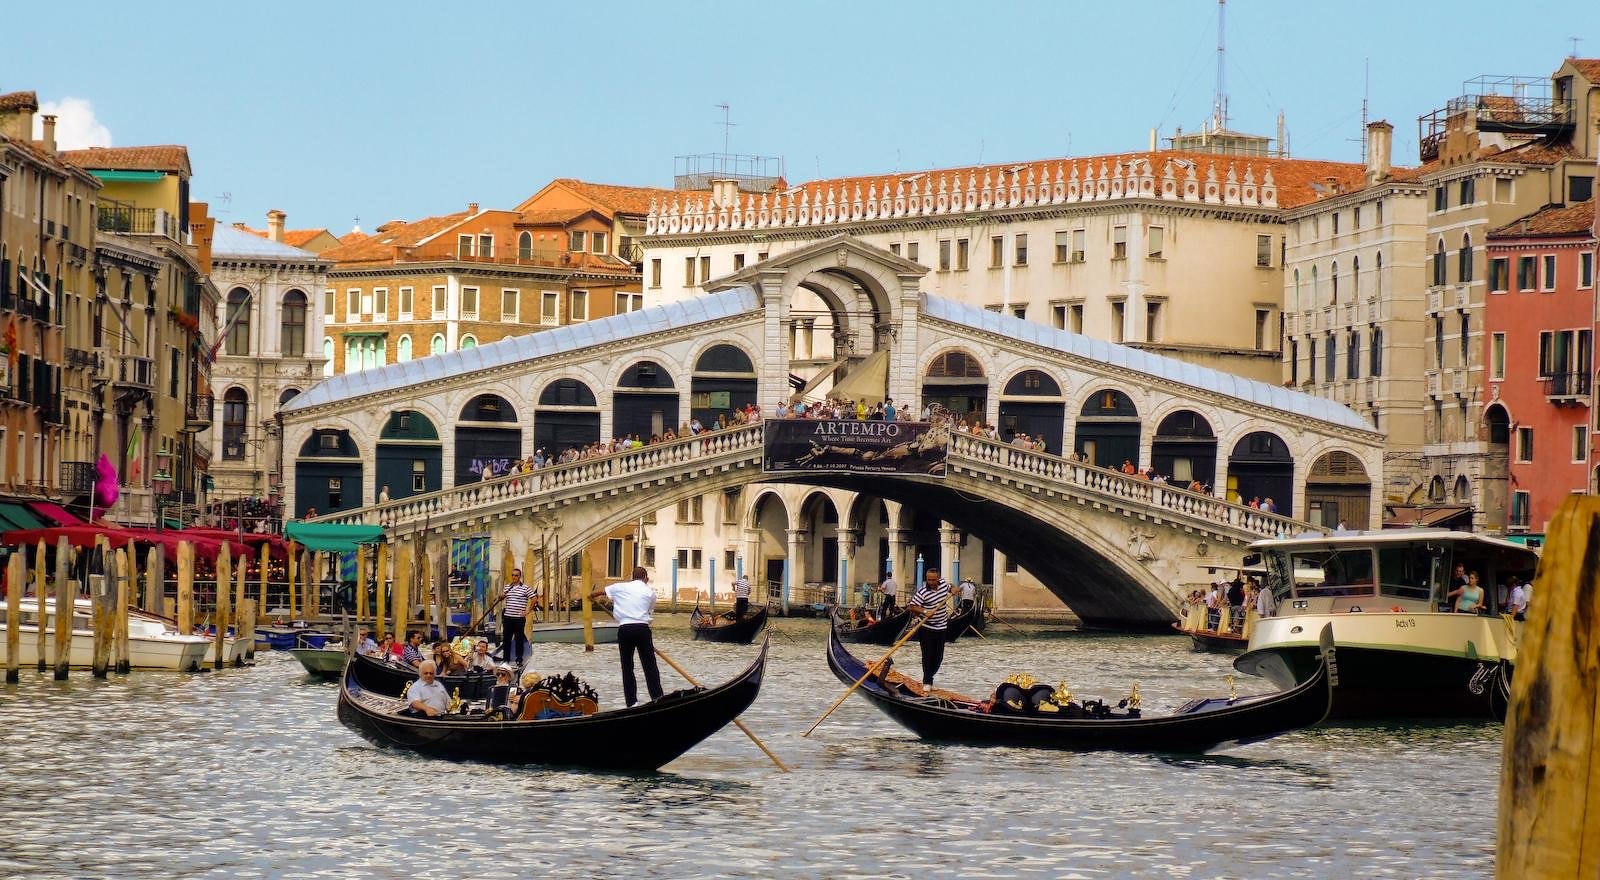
[1575, 42]
[726, 123]
[1220, 111]
[1366, 91]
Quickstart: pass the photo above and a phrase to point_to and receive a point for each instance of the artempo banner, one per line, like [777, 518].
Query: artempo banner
[843, 446]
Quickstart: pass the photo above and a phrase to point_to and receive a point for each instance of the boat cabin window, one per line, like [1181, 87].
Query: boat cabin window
[1342, 572]
[1410, 572]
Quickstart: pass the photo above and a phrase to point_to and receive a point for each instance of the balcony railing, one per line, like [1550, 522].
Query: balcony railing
[197, 412]
[77, 477]
[1435, 300]
[136, 372]
[1433, 383]
[1560, 387]
[533, 257]
[114, 217]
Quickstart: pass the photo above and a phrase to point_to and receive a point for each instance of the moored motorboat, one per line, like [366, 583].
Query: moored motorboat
[869, 629]
[605, 633]
[283, 638]
[642, 737]
[1400, 656]
[152, 643]
[324, 662]
[724, 628]
[1028, 716]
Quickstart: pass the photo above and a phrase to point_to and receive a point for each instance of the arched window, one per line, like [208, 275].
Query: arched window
[437, 346]
[294, 324]
[235, 411]
[404, 353]
[1355, 277]
[1333, 275]
[1464, 259]
[327, 356]
[1438, 263]
[469, 341]
[1316, 293]
[525, 246]
[1379, 276]
[1296, 307]
[288, 395]
[237, 320]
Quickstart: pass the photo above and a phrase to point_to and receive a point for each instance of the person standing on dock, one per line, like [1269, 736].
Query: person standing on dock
[741, 597]
[632, 603]
[931, 603]
[514, 618]
[890, 588]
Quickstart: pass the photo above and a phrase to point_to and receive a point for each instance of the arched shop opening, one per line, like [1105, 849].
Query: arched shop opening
[327, 473]
[1185, 449]
[410, 456]
[487, 436]
[724, 381]
[1338, 490]
[645, 402]
[1031, 404]
[1107, 433]
[567, 417]
[1261, 468]
[955, 380]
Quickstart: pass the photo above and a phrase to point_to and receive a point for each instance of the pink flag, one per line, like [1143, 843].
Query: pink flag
[105, 483]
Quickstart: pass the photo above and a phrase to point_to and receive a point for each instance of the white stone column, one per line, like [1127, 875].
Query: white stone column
[897, 556]
[798, 569]
[1133, 316]
[848, 541]
[999, 566]
[949, 547]
[753, 567]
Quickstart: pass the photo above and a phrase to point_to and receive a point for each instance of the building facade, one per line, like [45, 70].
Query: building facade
[47, 211]
[1353, 298]
[269, 350]
[1539, 323]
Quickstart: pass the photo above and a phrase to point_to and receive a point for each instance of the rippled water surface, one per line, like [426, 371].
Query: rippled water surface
[247, 773]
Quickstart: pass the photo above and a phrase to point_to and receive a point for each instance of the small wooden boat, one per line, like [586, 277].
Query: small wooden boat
[877, 632]
[605, 633]
[642, 737]
[1197, 726]
[723, 627]
[152, 643]
[963, 621]
[1214, 642]
[390, 678]
[324, 662]
[283, 638]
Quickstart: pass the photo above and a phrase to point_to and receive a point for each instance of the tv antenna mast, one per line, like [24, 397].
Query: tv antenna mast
[1220, 110]
[726, 123]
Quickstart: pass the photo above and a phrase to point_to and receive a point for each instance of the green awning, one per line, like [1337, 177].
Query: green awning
[331, 537]
[20, 516]
[128, 176]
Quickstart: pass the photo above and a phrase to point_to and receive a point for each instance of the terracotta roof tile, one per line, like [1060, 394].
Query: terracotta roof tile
[618, 199]
[1574, 219]
[1540, 152]
[168, 157]
[551, 217]
[291, 237]
[1589, 67]
[14, 101]
[395, 234]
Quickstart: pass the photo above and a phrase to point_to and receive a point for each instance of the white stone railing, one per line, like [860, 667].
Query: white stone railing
[945, 195]
[665, 459]
[1104, 482]
[648, 462]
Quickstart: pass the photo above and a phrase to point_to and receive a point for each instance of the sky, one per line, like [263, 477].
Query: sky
[345, 110]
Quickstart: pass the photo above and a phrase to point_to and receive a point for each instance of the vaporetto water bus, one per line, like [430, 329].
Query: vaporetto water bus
[1404, 653]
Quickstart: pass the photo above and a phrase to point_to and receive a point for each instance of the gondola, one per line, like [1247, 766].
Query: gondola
[879, 632]
[723, 628]
[1197, 726]
[640, 738]
[963, 621]
[390, 679]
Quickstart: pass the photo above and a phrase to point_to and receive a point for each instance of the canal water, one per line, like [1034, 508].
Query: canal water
[247, 773]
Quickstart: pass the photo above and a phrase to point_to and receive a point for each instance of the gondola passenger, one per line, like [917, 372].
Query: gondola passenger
[930, 603]
[427, 697]
[411, 654]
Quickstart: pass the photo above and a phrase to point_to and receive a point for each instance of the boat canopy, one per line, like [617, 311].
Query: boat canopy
[332, 537]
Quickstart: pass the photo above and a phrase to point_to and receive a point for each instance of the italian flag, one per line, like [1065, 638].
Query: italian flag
[135, 466]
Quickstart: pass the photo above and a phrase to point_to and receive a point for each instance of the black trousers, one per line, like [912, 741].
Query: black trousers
[636, 637]
[513, 638]
[888, 606]
[933, 641]
[966, 605]
[741, 607]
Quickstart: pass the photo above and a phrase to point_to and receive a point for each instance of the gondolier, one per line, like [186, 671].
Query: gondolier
[969, 595]
[632, 604]
[930, 603]
[741, 597]
[890, 588]
[514, 618]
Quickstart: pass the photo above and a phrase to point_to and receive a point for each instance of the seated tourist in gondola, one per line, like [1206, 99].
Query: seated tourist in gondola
[426, 697]
[447, 660]
[365, 643]
[481, 660]
[411, 654]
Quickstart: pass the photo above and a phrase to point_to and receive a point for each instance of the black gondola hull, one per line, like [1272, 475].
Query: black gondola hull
[964, 621]
[641, 738]
[391, 679]
[1200, 726]
[882, 632]
[720, 629]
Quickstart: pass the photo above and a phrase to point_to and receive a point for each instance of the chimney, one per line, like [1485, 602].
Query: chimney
[49, 138]
[239, 225]
[472, 207]
[1380, 139]
[725, 191]
[275, 220]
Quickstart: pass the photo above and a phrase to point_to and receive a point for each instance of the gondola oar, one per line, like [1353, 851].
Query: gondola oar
[868, 674]
[740, 724]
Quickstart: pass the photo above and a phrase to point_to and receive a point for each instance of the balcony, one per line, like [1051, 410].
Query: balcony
[1350, 316]
[1327, 318]
[1372, 389]
[1463, 298]
[197, 413]
[1458, 380]
[136, 372]
[1291, 325]
[1371, 311]
[77, 358]
[77, 477]
[1435, 300]
[1562, 388]
[1433, 382]
[118, 217]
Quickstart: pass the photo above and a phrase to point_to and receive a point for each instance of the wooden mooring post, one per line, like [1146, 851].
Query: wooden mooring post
[242, 580]
[16, 573]
[66, 604]
[122, 653]
[102, 572]
[1549, 787]
[219, 641]
[380, 622]
[41, 587]
[403, 572]
[363, 568]
[185, 609]
[155, 581]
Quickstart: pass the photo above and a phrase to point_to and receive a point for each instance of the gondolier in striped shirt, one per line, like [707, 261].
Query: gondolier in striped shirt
[931, 604]
[741, 597]
[514, 618]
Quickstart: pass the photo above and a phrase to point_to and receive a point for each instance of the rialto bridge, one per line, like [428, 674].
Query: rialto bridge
[1113, 547]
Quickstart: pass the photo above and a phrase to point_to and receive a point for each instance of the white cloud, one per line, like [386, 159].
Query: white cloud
[76, 126]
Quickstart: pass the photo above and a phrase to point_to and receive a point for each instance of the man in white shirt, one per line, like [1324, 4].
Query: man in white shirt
[741, 597]
[632, 604]
[1520, 594]
[426, 697]
[890, 588]
[969, 594]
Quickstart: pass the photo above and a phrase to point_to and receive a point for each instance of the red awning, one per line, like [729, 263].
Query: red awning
[55, 513]
[280, 548]
[85, 535]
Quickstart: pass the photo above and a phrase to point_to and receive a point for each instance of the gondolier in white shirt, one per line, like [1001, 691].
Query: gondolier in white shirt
[514, 618]
[632, 604]
[890, 588]
[969, 595]
[741, 597]
[931, 603]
